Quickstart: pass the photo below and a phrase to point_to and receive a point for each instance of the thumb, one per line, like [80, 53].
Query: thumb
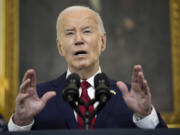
[47, 96]
[123, 88]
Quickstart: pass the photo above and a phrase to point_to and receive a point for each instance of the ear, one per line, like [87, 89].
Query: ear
[60, 48]
[103, 40]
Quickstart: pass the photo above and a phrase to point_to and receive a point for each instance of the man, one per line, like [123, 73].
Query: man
[2, 124]
[81, 39]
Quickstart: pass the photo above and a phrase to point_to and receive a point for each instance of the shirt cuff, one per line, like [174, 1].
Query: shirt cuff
[149, 122]
[13, 127]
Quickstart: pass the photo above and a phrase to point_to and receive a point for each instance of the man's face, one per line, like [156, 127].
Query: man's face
[81, 42]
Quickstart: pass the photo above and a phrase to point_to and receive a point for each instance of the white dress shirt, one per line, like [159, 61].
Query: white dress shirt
[149, 122]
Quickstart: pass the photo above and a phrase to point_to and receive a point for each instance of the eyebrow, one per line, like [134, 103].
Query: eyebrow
[69, 29]
[73, 29]
[87, 27]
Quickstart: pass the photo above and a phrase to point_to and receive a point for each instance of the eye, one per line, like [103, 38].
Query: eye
[87, 31]
[69, 33]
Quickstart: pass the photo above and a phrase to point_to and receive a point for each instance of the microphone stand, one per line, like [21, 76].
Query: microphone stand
[87, 117]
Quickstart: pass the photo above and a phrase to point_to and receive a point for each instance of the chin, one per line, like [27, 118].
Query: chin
[80, 66]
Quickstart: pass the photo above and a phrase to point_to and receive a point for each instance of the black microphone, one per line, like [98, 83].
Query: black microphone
[102, 90]
[71, 89]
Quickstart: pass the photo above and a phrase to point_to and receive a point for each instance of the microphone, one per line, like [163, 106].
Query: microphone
[102, 92]
[71, 89]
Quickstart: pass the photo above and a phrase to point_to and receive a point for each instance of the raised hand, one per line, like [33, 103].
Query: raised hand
[28, 103]
[138, 99]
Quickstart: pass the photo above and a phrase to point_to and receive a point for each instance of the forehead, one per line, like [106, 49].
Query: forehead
[78, 18]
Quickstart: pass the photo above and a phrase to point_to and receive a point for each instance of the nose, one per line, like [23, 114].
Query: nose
[78, 39]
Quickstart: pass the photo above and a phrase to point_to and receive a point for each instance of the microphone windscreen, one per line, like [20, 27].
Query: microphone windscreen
[101, 78]
[73, 78]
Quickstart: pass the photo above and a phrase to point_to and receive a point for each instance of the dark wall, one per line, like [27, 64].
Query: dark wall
[138, 32]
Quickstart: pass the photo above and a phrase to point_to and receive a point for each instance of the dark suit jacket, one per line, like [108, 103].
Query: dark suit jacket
[2, 124]
[58, 114]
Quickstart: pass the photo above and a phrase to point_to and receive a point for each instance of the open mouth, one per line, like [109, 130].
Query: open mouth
[80, 52]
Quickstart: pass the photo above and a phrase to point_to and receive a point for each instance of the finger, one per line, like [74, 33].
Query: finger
[27, 73]
[31, 74]
[140, 79]
[32, 92]
[135, 87]
[123, 88]
[24, 85]
[146, 88]
[136, 70]
[47, 96]
[21, 97]
[138, 85]
[143, 83]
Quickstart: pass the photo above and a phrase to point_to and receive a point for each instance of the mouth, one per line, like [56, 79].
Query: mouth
[80, 53]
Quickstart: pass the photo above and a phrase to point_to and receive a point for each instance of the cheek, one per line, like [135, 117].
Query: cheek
[99, 46]
[96, 50]
[66, 51]
[66, 46]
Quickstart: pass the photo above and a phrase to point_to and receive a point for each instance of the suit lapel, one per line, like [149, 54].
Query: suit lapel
[105, 112]
[64, 108]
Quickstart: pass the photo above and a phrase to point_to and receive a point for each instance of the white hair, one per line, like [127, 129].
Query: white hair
[73, 8]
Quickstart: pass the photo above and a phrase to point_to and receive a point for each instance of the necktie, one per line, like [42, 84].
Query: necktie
[84, 96]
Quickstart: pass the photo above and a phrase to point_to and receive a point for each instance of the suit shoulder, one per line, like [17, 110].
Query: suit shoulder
[114, 87]
[51, 85]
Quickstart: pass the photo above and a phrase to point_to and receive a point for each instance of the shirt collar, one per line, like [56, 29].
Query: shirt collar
[89, 80]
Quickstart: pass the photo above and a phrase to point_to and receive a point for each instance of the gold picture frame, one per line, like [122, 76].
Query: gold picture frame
[9, 56]
[173, 118]
[9, 61]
